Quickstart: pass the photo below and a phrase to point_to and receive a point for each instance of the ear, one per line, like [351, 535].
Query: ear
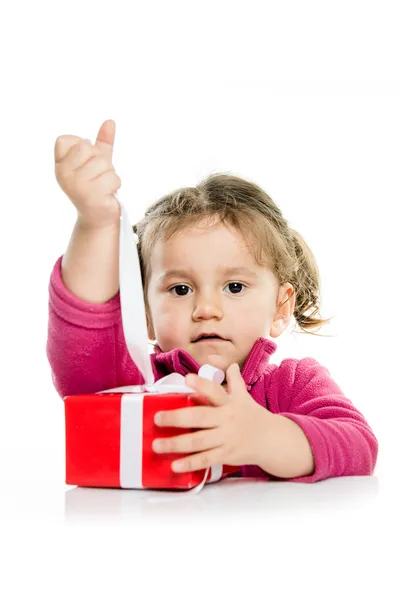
[285, 309]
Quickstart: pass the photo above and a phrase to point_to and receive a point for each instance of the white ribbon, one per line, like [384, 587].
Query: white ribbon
[135, 333]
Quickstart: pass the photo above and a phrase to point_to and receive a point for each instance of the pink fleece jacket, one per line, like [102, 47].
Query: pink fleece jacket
[87, 353]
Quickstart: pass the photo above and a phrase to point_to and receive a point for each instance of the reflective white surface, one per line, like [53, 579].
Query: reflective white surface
[229, 499]
[332, 539]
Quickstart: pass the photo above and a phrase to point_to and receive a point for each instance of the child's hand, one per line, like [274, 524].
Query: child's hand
[231, 430]
[86, 174]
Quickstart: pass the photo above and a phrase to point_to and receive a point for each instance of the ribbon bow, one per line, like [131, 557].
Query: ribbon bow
[172, 383]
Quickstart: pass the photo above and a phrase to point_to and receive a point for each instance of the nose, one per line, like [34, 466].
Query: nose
[207, 306]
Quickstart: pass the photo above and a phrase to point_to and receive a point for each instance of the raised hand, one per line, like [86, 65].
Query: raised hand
[86, 174]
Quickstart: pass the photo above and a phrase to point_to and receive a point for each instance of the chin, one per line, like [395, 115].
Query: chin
[215, 360]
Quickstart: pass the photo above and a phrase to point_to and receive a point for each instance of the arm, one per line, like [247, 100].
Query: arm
[84, 312]
[90, 264]
[319, 434]
[80, 347]
[284, 450]
[86, 346]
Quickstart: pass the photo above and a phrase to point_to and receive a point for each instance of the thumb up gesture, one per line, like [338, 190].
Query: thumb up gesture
[84, 171]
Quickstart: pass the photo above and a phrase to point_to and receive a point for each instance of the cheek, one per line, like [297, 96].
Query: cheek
[254, 318]
[168, 321]
[254, 312]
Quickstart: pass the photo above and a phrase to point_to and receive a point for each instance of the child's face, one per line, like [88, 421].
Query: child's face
[237, 306]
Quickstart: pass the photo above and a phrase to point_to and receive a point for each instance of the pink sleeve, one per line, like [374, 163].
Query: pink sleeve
[85, 344]
[341, 440]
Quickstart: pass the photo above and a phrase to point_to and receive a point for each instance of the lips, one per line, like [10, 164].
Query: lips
[211, 337]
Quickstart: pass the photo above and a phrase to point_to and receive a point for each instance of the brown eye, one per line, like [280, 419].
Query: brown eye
[180, 288]
[234, 287]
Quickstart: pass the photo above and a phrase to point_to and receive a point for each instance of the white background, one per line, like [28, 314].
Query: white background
[303, 99]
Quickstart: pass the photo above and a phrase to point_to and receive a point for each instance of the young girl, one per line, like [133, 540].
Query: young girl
[222, 275]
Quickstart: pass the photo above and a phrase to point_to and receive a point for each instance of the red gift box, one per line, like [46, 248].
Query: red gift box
[109, 442]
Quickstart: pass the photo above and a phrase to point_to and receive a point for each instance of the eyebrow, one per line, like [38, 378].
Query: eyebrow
[226, 271]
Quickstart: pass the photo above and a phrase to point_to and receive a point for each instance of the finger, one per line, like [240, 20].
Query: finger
[202, 460]
[105, 139]
[212, 390]
[63, 145]
[190, 417]
[84, 157]
[189, 442]
[234, 379]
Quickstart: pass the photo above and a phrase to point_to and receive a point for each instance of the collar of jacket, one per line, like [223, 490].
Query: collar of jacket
[180, 361]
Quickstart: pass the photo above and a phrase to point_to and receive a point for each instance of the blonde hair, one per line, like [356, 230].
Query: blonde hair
[245, 206]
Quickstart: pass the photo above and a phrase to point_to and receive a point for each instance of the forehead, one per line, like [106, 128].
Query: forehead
[210, 244]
